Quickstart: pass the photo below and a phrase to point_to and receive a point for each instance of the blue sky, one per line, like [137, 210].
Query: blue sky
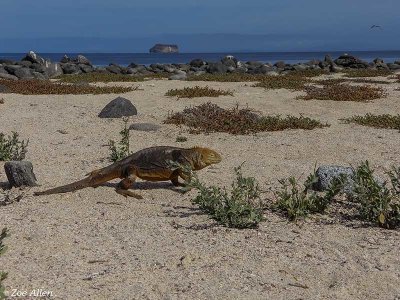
[278, 24]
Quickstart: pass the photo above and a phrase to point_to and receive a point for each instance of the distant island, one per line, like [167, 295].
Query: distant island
[163, 48]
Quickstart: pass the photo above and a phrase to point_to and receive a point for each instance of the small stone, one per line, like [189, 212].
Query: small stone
[144, 127]
[326, 174]
[20, 173]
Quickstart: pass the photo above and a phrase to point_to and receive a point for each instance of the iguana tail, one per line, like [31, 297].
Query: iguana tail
[93, 179]
[77, 185]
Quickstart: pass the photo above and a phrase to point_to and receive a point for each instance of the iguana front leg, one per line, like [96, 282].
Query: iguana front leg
[125, 184]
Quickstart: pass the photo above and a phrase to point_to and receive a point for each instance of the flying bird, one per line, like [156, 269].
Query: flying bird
[376, 26]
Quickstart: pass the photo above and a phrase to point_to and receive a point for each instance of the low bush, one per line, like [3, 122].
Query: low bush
[342, 92]
[121, 149]
[11, 148]
[366, 73]
[298, 202]
[379, 204]
[241, 208]
[377, 121]
[46, 87]
[197, 91]
[107, 77]
[210, 117]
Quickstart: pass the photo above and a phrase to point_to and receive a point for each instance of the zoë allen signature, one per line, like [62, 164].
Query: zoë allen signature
[31, 293]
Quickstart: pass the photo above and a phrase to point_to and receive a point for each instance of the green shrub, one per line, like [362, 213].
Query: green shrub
[378, 203]
[241, 208]
[3, 275]
[298, 202]
[121, 150]
[197, 91]
[377, 121]
[11, 148]
[107, 77]
[209, 117]
[366, 73]
[47, 87]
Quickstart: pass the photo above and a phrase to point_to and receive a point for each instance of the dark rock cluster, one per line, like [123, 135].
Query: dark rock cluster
[34, 66]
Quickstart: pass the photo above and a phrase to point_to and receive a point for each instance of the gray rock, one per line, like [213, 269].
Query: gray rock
[229, 61]
[393, 66]
[115, 69]
[24, 73]
[12, 68]
[2, 70]
[197, 63]
[86, 68]
[65, 59]
[8, 76]
[71, 68]
[117, 108]
[217, 68]
[144, 127]
[280, 64]
[34, 58]
[39, 76]
[20, 173]
[326, 174]
[80, 59]
[349, 61]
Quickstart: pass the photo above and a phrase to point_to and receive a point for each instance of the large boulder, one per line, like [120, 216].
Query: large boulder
[217, 68]
[117, 108]
[229, 61]
[34, 58]
[197, 63]
[8, 76]
[20, 173]
[349, 61]
[80, 59]
[24, 73]
[71, 68]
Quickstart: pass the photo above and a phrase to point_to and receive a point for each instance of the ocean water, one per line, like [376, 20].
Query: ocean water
[103, 59]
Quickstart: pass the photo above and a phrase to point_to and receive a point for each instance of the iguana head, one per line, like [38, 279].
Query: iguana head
[205, 157]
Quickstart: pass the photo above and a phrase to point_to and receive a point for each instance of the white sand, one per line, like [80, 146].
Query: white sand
[162, 247]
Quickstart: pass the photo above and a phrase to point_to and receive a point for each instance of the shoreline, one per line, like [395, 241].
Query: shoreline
[33, 66]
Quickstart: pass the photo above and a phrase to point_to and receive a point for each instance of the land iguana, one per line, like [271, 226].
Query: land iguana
[152, 164]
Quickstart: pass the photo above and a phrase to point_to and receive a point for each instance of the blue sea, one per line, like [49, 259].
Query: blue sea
[103, 59]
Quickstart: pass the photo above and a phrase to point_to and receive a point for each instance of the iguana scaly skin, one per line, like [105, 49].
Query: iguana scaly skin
[152, 164]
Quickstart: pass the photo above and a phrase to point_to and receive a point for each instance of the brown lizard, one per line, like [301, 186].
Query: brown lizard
[152, 164]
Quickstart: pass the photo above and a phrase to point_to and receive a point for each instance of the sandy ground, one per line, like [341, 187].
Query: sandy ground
[95, 244]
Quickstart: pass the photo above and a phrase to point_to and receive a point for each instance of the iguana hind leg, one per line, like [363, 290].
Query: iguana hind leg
[125, 184]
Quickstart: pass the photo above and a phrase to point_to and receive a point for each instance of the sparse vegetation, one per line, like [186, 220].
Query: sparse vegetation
[210, 117]
[298, 202]
[3, 275]
[46, 87]
[290, 82]
[378, 203]
[197, 91]
[245, 77]
[1, 101]
[181, 139]
[377, 121]
[342, 92]
[107, 77]
[334, 81]
[366, 73]
[241, 208]
[121, 150]
[11, 148]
